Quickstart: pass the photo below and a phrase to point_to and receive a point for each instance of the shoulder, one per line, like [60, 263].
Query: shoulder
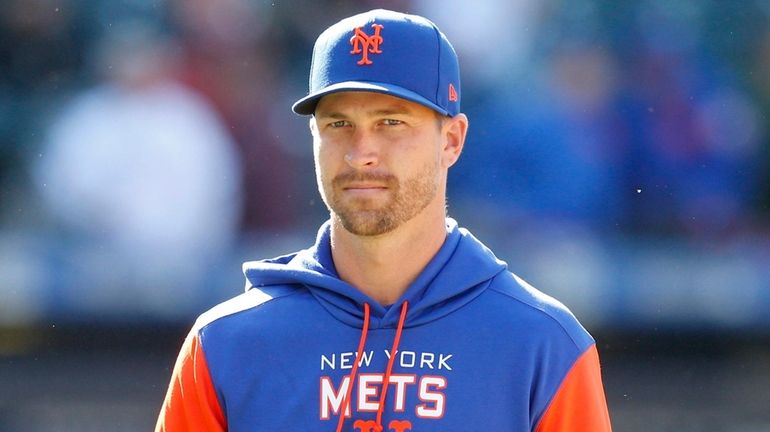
[540, 308]
[237, 308]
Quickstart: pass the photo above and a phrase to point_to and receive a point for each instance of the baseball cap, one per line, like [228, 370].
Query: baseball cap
[387, 52]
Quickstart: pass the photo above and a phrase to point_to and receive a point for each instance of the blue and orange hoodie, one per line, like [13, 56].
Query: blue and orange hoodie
[468, 347]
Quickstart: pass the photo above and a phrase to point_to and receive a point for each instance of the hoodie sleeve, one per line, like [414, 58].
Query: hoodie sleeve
[191, 402]
[579, 405]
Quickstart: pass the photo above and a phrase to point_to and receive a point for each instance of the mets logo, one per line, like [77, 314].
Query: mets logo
[365, 44]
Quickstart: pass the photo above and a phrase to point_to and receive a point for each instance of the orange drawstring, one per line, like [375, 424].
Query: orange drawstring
[393, 351]
[388, 371]
[359, 354]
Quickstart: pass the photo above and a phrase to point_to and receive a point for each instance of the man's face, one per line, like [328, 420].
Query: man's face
[379, 160]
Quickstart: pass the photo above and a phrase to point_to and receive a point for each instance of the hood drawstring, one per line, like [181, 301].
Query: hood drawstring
[388, 370]
[393, 351]
[359, 353]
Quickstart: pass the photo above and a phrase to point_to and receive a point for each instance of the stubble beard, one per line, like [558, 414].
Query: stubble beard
[407, 199]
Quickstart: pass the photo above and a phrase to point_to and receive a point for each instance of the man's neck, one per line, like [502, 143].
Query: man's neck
[383, 266]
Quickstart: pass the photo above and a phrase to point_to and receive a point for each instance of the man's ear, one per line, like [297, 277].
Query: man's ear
[454, 131]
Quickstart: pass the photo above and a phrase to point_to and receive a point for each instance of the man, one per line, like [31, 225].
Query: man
[396, 319]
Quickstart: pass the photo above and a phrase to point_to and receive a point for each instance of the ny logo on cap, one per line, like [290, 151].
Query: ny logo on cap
[364, 44]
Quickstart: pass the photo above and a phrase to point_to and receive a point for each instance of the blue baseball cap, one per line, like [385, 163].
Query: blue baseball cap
[387, 52]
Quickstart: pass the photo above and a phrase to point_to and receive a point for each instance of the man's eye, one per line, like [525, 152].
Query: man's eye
[338, 124]
[392, 122]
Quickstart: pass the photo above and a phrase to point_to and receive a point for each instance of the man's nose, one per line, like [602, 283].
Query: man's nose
[363, 151]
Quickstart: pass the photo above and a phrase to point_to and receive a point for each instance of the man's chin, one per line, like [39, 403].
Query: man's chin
[366, 223]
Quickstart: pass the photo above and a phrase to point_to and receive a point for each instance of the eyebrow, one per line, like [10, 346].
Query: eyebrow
[391, 111]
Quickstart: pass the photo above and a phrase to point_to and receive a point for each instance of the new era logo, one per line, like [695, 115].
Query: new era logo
[365, 44]
[452, 93]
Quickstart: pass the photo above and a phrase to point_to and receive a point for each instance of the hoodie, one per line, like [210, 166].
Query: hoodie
[468, 347]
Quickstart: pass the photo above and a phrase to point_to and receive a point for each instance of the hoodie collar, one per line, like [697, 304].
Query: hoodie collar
[458, 272]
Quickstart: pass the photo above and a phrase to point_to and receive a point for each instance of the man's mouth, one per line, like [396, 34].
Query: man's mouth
[363, 185]
[364, 190]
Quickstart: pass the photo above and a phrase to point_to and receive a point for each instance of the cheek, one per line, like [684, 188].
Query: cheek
[324, 150]
[318, 158]
[434, 153]
[322, 176]
[325, 163]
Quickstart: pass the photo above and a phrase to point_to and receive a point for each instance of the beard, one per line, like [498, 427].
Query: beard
[369, 217]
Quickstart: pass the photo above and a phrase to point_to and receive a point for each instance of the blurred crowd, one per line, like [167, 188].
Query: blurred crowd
[146, 146]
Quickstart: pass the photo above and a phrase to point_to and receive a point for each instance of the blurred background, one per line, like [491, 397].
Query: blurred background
[618, 158]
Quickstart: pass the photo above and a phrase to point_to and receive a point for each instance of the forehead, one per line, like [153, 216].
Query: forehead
[368, 103]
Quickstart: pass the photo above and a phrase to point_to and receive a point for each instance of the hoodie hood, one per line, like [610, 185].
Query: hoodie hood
[460, 271]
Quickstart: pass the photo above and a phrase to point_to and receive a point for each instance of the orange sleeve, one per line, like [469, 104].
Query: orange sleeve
[579, 405]
[191, 403]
